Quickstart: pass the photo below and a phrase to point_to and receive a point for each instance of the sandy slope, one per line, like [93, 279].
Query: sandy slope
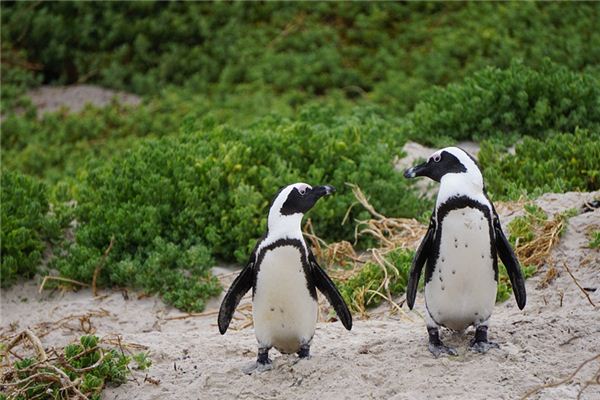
[386, 357]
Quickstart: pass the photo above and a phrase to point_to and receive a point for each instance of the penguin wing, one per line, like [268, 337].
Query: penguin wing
[510, 261]
[236, 291]
[326, 286]
[421, 255]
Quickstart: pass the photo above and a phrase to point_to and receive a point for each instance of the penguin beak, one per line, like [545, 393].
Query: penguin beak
[417, 170]
[320, 191]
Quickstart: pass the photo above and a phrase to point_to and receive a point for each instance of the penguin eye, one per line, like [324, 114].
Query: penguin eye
[302, 191]
[437, 158]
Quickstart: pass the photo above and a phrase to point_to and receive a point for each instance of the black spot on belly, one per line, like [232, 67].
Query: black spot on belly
[281, 310]
[482, 256]
[455, 246]
[272, 309]
[443, 259]
[441, 279]
[443, 287]
[476, 313]
[283, 325]
[466, 245]
[453, 271]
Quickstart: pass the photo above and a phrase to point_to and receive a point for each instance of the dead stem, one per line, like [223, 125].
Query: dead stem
[566, 267]
[562, 381]
[60, 278]
[101, 264]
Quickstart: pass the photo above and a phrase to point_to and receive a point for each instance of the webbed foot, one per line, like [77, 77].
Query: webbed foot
[438, 350]
[483, 347]
[257, 367]
[304, 351]
[262, 364]
[436, 347]
[480, 343]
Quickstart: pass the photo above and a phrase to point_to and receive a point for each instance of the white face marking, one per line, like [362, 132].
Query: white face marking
[468, 183]
[284, 225]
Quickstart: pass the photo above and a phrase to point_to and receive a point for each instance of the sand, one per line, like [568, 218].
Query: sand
[74, 98]
[383, 357]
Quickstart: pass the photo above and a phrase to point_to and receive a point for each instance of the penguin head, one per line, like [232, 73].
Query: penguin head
[292, 202]
[450, 161]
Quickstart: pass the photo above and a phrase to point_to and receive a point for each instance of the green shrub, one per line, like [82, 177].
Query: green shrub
[508, 103]
[26, 225]
[594, 239]
[560, 163]
[359, 290]
[390, 50]
[171, 203]
[59, 145]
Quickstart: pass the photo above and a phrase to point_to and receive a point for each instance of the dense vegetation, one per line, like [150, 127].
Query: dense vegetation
[26, 225]
[240, 99]
[560, 163]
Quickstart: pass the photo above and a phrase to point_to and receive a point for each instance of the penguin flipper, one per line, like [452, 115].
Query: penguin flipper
[326, 286]
[510, 261]
[234, 295]
[421, 255]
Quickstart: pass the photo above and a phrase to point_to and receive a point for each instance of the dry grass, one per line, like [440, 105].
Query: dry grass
[343, 262]
[546, 236]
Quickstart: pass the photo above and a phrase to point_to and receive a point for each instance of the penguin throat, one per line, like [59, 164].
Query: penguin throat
[282, 226]
[469, 184]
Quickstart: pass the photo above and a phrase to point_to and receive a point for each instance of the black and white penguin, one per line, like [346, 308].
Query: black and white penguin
[461, 249]
[284, 276]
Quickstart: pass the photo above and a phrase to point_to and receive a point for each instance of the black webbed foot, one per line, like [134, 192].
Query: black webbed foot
[480, 343]
[263, 362]
[304, 351]
[436, 346]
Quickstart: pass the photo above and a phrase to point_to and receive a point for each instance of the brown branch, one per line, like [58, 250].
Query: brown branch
[60, 278]
[578, 285]
[101, 264]
[191, 315]
[35, 341]
[560, 382]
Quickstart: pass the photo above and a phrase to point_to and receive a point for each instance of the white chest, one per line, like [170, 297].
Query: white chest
[284, 312]
[462, 290]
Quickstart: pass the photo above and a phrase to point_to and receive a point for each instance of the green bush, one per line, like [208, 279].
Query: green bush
[508, 103]
[26, 225]
[359, 290]
[171, 203]
[59, 145]
[560, 163]
[390, 50]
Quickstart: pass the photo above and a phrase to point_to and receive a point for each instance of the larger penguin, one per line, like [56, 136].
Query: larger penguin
[461, 249]
[284, 276]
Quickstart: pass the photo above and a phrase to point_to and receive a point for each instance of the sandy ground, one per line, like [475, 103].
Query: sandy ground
[75, 97]
[383, 357]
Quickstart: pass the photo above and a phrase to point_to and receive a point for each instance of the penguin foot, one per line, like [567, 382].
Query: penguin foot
[304, 352]
[482, 347]
[257, 367]
[438, 349]
[480, 344]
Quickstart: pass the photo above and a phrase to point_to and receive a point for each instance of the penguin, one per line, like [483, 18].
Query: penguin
[460, 250]
[284, 276]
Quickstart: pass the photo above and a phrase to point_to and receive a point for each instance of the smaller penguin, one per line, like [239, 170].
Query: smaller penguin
[461, 249]
[284, 276]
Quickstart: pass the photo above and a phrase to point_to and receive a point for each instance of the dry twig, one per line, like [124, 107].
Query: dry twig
[101, 264]
[565, 380]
